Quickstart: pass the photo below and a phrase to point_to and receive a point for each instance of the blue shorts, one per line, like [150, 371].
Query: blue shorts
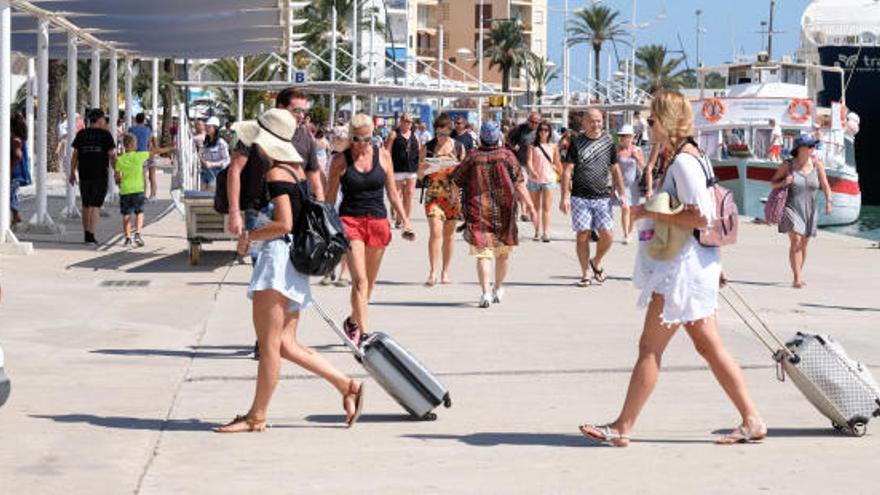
[131, 203]
[209, 175]
[591, 214]
[537, 187]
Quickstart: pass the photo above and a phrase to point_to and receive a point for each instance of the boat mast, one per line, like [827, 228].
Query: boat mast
[770, 32]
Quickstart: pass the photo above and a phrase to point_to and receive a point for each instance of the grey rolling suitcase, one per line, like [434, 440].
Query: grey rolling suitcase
[405, 379]
[841, 388]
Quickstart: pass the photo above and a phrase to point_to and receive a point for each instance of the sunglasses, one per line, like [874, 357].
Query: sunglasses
[361, 139]
[651, 122]
[298, 111]
[443, 133]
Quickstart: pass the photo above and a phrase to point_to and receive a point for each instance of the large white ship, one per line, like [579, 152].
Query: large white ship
[735, 127]
[846, 34]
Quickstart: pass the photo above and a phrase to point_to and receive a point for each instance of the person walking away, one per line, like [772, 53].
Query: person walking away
[145, 142]
[19, 165]
[491, 182]
[442, 205]
[403, 144]
[803, 175]
[363, 172]
[214, 154]
[278, 291]
[94, 156]
[591, 164]
[544, 164]
[683, 290]
[775, 151]
[632, 165]
[461, 134]
[129, 175]
[296, 102]
[520, 140]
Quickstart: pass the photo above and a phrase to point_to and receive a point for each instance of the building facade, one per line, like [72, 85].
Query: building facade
[458, 23]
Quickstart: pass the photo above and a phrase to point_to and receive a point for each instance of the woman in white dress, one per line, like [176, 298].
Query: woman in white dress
[682, 291]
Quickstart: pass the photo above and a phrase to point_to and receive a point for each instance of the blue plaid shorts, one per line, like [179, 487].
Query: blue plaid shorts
[591, 214]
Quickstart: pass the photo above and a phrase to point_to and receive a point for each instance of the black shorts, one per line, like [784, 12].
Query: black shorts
[131, 203]
[92, 192]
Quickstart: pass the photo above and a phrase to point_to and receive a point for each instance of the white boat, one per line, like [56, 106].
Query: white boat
[734, 129]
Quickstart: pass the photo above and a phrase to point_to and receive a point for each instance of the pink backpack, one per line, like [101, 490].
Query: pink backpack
[722, 230]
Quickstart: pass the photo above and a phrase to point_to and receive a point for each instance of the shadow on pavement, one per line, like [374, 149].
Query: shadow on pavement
[179, 262]
[844, 308]
[365, 418]
[127, 423]
[232, 353]
[116, 260]
[424, 304]
[793, 432]
[493, 439]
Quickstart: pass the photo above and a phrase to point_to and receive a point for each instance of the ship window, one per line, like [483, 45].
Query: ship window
[868, 38]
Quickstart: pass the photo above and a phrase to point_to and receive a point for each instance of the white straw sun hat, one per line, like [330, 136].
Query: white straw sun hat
[668, 239]
[626, 130]
[273, 131]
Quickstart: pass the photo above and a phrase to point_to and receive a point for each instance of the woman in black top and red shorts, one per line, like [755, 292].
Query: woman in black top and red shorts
[364, 172]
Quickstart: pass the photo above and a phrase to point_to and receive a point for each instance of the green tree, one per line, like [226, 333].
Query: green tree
[540, 74]
[594, 26]
[225, 100]
[506, 50]
[318, 16]
[655, 71]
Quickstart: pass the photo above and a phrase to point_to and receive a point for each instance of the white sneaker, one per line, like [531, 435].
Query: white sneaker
[497, 295]
[485, 301]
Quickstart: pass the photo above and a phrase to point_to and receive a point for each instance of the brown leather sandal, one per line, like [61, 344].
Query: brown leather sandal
[253, 425]
[356, 395]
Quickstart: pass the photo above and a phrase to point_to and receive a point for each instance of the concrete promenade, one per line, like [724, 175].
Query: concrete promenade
[122, 360]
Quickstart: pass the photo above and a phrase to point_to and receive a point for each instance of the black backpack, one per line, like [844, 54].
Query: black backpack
[253, 194]
[319, 240]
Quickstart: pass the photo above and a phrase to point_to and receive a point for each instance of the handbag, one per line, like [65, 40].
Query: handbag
[774, 208]
[319, 240]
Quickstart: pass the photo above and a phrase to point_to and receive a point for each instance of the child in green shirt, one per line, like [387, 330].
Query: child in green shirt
[130, 178]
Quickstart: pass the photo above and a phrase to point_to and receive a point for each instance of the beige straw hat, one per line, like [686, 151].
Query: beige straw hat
[668, 239]
[273, 131]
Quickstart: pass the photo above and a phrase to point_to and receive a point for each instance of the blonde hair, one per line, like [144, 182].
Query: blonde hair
[673, 112]
[359, 121]
[129, 141]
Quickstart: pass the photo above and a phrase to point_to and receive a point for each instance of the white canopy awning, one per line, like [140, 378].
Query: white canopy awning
[349, 89]
[160, 28]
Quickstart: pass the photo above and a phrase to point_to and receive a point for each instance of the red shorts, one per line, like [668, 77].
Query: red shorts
[373, 232]
[775, 150]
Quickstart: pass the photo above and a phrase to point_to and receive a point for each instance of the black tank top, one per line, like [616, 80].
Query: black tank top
[405, 153]
[298, 191]
[362, 192]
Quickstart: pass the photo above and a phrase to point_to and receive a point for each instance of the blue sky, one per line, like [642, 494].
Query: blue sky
[729, 25]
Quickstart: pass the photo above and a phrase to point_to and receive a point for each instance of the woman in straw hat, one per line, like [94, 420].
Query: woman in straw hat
[364, 173]
[277, 289]
[682, 291]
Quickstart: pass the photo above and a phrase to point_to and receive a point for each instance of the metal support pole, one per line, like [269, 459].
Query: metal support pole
[154, 110]
[372, 71]
[70, 210]
[240, 109]
[770, 31]
[96, 79]
[565, 67]
[129, 107]
[5, 116]
[480, 62]
[355, 56]
[440, 57]
[112, 190]
[29, 111]
[41, 218]
[289, 43]
[333, 34]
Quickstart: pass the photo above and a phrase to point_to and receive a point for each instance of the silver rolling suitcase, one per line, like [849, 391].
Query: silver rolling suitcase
[839, 387]
[405, 379]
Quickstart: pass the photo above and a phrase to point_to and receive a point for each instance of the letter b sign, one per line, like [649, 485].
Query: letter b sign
[299, 76]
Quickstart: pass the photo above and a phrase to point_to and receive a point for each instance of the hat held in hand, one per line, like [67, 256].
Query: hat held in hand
[668, 239]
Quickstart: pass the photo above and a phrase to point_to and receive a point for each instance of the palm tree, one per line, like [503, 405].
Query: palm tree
[318, 15]
[506, 50]
[656, 71]
[596, 25]
[226, 99]
[540, 73]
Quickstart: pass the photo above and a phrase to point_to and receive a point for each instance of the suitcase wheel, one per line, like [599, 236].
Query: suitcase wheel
[838, 427]
[859, 429]
[429, 417]
[447, 401]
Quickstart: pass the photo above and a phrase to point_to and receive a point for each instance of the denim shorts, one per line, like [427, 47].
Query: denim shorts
[538, 187]
[209, 175]
[131, 203]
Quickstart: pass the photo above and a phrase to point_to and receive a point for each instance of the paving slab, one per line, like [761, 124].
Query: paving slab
[122, 360]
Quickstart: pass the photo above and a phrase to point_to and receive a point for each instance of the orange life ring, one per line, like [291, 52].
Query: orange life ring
[713, 110]
[800, 110]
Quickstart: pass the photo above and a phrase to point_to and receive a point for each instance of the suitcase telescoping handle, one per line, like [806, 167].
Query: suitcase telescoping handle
[781, 350]
[358, 353]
